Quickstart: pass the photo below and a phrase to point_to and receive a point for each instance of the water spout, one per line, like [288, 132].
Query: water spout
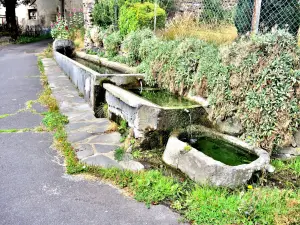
[190, 116]
[141, 83]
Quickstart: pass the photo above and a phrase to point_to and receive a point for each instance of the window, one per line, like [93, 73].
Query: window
[32, 14]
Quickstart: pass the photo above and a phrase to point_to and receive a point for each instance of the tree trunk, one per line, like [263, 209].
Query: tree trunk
[11, 18]
[62, 8]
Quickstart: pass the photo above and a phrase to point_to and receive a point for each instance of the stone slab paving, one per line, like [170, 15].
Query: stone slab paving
[88, 134]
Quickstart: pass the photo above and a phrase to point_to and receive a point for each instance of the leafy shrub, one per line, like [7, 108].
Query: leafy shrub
[273, 13]
[172, 65]
[104, 13]
[134, 16]
[67, 29]
[132, 42]
[112, 44]
[260, 84]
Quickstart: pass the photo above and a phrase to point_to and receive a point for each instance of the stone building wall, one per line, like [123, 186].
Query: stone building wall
[88, 6]
[196, 6]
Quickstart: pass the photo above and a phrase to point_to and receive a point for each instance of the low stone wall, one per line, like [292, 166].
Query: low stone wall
[89, 81]
[204, 169]
[143, 115]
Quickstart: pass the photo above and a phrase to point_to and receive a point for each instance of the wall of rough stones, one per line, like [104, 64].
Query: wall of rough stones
[196, 6]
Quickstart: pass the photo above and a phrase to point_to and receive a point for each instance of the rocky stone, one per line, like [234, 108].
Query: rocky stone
[83, 150]
[65, 47]
[204, 169]
[112, 138]
[78, 136]
[270, 169]
[101, 160]
[289, 151]
[94, 32]
[105, 148]
[231, 126]
[297, 138]
[132, 165]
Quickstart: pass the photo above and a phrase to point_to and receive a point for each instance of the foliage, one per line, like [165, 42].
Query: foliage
[112, 44]
[214, 13]
[140, 15]
[172, 65]
[261, 87]
[104, 12]
[119, 154]
[279, 13]
[258, 206]
[67, 29]
[293, 165]
[132, 42]
[54, 120]
[29, 39]
[186, 25]
[152, 187]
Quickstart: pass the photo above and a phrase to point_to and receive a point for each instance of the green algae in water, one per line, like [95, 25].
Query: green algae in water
[163, 98]
[96, 67]
[223, 152]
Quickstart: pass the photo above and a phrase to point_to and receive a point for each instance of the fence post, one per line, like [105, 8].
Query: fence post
[256, 16]
[155, 5]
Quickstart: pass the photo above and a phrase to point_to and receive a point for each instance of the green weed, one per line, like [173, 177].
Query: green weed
[4, 116]
[293, 165]
[119, 154]
[54, 120]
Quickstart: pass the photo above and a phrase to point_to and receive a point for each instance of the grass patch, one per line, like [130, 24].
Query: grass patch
[48, 52]
[15, 130]
[293, 165]
[54, 120]
[119, 154]
[28, 39]
[186, 26]
[4, 116]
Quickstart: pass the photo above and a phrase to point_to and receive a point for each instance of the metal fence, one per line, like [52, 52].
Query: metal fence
[251, 15]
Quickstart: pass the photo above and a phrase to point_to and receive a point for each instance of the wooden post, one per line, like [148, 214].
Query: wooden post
[155, 12]
[256, 16]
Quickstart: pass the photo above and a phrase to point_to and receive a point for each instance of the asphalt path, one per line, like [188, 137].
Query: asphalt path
[34, 188]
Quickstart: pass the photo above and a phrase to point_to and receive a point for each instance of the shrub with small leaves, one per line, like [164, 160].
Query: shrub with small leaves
[132, 42]
[112, 44]
[262, 87]
[140, 15]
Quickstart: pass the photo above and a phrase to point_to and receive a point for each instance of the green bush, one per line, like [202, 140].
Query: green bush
[134, 16]
[173, 65]
[132, 42]
[273, 13]
[104, 12]
[112, 44]
[260, 84]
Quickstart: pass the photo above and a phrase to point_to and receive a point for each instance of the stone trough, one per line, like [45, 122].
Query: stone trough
[89, 81]
[143, 115]
[206, 170]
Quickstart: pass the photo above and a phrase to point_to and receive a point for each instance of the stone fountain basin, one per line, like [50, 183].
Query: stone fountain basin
[88, 80]
[208, 171]
[143, 115]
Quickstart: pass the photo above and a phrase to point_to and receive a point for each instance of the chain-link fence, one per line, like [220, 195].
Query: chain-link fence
[250, 15]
